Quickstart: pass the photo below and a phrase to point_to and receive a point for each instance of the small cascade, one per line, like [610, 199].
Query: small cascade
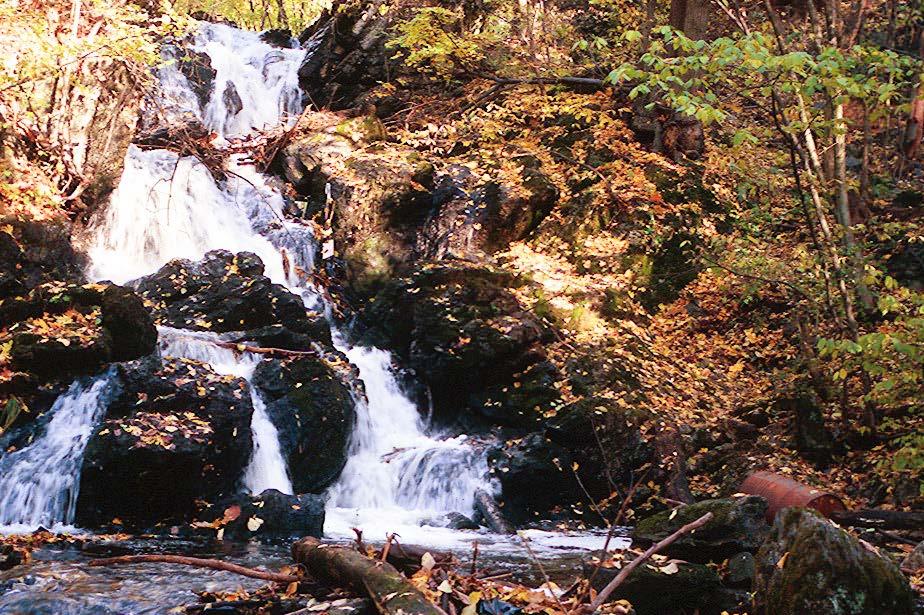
[397, 475]
[39, 483]
[167, 207]
[267, 467]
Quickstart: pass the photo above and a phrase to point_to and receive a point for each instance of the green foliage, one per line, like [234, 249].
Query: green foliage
[435, 42]
[691, 76]
[892, 355]
[295, 16]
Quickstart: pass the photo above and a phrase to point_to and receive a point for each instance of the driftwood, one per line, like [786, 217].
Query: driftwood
[240, 347]
[389, 591]
[199, 562]
[881, 519]
[617, 581]
[493, 517]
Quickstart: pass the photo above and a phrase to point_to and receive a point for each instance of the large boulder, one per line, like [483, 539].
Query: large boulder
[535, 475]
[662, 587]
[374, 194]
[61, 331]
[474, 216]
[176, 433]
[590, 427]
[460, 327]
[309, 398]
[65, 330]
[221, 293]
[809, 565]
[272, 514]
[738, 524]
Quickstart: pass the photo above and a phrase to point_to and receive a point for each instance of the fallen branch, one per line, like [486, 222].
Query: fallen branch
[493, 517]
[617, 581]
[389, 591]
[198, 562]
[241, 347]
[880, 519]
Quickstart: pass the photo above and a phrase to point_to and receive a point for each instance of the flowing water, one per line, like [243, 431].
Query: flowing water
[39, 483]
[400, 476]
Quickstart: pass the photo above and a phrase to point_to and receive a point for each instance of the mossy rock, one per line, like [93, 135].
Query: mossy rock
[683, 588]
[809, 565]
[737, 525]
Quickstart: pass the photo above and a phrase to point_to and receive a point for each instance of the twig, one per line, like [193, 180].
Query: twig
[474, 557]
[388, 538]
[548, 582]
[617, 581]
[199, 562]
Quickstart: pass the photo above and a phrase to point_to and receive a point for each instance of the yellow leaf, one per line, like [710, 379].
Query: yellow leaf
[254, 523]
[782, 561]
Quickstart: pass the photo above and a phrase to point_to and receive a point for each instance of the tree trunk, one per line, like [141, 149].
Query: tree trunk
[391, 593]
[670, 453]
[691, 17]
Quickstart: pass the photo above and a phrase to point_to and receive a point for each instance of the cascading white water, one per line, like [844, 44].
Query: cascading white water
[396, 475]
[39, 483]
[267, 467]
[170, 207]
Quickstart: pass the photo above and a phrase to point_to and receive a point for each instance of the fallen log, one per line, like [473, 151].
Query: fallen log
[618, 579]
[407, 558]
[391, 593]
[881, 519]
[214, 564]
[493, 517]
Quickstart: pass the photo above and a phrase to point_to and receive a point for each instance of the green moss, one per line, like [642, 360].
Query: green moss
[825, 570]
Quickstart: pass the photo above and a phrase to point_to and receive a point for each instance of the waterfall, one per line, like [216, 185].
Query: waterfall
[39, 483]
[167, 206]
[267, 468]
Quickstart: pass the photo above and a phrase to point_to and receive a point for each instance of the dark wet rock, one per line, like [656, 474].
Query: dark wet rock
[59, 331]
[346, 55]
[10, 557]
[473, 217]
[458, 521]
[278, 37]
[914, 561]
[175, 433]
[310, 401]
[221, 293]
[535, 474]
[279, 336]
[37, 252]
[272, 514]
[662, 587]
[740, 570]
[464, 333]
[580, 425]
[232, 99]
[197, 68]
[738, 524]
[808, 565]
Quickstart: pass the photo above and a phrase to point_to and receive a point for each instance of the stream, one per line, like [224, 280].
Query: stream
[402, 475]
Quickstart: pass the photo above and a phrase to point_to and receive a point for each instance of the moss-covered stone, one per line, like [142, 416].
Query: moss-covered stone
[809, 565]
[737, 525]
[664, 588]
